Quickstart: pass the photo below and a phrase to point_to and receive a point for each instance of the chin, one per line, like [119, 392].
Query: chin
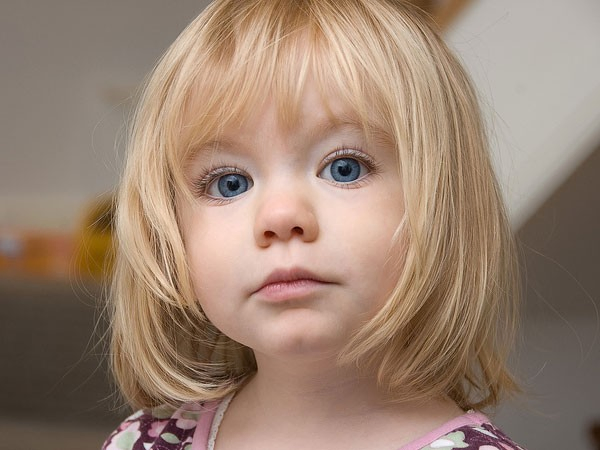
[306, 345]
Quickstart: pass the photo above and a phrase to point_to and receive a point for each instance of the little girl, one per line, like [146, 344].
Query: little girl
[313, 252]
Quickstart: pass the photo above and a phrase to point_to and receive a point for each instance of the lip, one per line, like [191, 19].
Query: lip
[288, 284]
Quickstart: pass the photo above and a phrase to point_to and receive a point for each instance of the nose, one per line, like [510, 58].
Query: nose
[285, 217]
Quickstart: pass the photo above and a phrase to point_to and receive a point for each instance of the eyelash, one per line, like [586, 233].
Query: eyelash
[201, 185]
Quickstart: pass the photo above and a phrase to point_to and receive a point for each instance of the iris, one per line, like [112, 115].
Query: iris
[345, 170]
[232, 184]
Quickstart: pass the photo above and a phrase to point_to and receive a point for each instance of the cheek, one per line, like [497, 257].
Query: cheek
[210, 265]
[204, 256]
[216, 251]
[210, 271]
[383, 262]
[383, 252]
[212, 242]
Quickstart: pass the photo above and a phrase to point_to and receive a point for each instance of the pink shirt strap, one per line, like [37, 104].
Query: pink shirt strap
[204, 425]
[467, 419]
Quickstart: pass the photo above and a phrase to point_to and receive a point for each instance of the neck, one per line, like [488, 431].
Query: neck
[317, 385]
[318, 404]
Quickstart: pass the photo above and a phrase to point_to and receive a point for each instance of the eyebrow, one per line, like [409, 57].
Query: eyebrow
[372, 133]
[329, 125]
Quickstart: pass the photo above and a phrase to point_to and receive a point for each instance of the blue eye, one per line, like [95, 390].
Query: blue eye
[229, 185]
[344, 170]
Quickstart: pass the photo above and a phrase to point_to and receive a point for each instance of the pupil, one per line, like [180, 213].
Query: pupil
[344, 168]
[233, 184]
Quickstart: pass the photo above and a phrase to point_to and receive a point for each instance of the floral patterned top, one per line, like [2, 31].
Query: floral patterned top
[194, 427]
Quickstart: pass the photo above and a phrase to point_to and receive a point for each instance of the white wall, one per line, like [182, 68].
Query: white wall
[537, 66]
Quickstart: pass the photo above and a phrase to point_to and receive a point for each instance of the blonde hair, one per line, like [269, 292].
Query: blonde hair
[448, 326]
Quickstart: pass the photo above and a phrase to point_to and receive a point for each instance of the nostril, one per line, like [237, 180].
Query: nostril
[296, 231]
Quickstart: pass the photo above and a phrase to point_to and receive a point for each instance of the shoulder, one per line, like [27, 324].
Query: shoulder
[478, 435]
[161, 428]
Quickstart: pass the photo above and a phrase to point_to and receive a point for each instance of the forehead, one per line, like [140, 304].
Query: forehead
[311, 111]
[315, 112]
[315, 119]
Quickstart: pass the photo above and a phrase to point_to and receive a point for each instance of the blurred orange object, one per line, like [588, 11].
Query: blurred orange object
[50, 254]
[95, 253]
[35, 253]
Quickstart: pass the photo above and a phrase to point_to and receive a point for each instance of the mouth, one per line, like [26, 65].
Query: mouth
[287, 284]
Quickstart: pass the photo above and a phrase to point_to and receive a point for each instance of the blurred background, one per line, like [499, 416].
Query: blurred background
[69, 72]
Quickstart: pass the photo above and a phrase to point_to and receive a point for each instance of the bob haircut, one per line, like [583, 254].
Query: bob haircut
[448, 325]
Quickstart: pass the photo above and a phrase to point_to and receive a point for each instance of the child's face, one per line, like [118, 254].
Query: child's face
[290, 238]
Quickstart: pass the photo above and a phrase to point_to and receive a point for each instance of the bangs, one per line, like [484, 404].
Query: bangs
[249, 57]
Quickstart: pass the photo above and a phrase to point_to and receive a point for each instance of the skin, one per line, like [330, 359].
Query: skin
[249, 255]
